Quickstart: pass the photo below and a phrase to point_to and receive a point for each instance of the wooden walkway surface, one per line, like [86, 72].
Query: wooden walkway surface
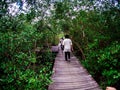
[71, 75]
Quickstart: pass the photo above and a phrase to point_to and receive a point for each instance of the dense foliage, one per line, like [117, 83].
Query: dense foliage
[102, 52]
[26, 59]
[21, 66]
[26, 38]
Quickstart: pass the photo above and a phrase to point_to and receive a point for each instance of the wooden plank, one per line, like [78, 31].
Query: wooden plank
[71, 75]
[55, 49]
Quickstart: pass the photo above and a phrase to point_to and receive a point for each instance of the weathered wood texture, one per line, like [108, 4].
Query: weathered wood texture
[71, 75]
[55, 49]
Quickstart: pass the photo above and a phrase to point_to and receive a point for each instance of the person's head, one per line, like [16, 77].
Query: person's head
[66, 36]
[62, 38]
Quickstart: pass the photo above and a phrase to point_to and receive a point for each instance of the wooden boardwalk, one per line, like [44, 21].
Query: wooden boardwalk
[71, 75]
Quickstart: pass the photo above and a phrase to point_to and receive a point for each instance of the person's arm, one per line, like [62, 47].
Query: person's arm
[72, 48]
[71, 45]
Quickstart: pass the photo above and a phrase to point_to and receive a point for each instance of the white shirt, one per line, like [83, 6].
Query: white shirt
[67, 45]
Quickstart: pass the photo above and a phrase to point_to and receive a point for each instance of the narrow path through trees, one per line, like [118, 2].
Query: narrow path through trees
[71, 75]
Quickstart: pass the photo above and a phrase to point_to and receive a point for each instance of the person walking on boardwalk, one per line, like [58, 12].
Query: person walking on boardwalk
[67, 43]
[61, 44]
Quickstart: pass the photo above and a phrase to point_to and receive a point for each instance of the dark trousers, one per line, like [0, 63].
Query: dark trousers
[67, 55]
[62, 47]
